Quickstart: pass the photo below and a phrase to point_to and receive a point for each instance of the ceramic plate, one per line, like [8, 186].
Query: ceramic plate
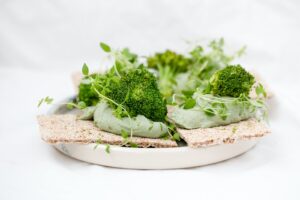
[151, 158]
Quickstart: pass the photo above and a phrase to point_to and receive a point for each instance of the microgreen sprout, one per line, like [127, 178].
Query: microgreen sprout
[46, 100]
[260, 91]
[133, 145]
[98, 142]
[69, 105]
[107, 148]
[85, 69]
[124, 134]
[189, 103]
[172, 133]
[105, 47]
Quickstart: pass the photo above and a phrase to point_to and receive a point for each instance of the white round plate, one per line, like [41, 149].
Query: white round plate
[154, 158]
[151, 158]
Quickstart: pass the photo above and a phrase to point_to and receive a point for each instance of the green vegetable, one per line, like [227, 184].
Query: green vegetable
[189, 103]
[260, 90]
[176, 62]
[176, 136]
[46, 100]
[125, 60]
[124, 134]
[137, 91]
[204, 63]
[107, 148]
[177, 72]
[86, 94]
[211, 111]
[105, 47]
[133, 145]
[130, 89]
[85, 70]
[98, 142]
[232, 81]
[168, 64]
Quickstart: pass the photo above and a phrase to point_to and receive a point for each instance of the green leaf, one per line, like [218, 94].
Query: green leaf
[85, 69]
[70, 105]
[98, 142]
[48, 100]
[188, 93]
[207, 90]
[209, 112]
[81, 105]
[189, 103]
[260, 90]
[40, 102]
[165, 136]
[133, 145]
[107, 148]
[124, 134]
[176, 136]
[105, 47]
[241, 51]
[118, 112]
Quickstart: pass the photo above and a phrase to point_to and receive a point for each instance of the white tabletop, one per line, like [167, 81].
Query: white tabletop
[43, 42]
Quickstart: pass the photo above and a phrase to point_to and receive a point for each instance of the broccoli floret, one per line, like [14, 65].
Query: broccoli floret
[104, 83]
[231, 81]
[177, 62]
[168, 64]
[85, 92]
[137, 91]
[127, 87]
[87, 95]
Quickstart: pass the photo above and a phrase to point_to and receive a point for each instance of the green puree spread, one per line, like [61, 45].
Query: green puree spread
[105, 119]
[201, 116]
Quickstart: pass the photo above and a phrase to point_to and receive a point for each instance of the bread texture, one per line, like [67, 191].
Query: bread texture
[68, 129]
[243, 130]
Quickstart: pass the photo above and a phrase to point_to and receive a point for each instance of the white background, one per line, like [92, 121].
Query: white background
[42, 42]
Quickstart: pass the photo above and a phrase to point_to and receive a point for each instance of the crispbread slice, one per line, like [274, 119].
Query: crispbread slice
[244, 130]
[68, 129]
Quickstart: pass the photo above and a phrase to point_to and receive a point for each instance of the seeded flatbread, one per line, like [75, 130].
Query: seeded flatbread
[68, 129]
[244, 130]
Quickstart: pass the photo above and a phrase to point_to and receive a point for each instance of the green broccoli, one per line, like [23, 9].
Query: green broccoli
[232, 81]
[177, 62]
[85, 92]
[168, 64]
[205, 62]
[125, 60]
[137, 91]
